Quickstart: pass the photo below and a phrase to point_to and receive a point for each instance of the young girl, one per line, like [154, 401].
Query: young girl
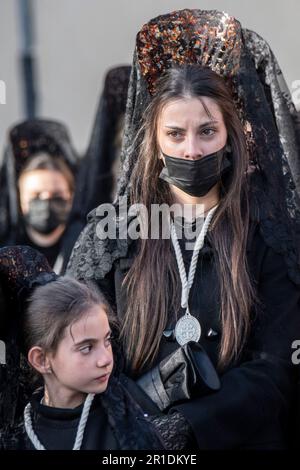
[67, 339]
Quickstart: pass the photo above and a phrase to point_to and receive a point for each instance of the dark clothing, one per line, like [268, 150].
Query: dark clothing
[50, 252]
[251, 410]
[58, 254]
[115, 422]
[56, 428]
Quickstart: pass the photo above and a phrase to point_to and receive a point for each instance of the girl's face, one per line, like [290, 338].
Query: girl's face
[185, 130]
[83, 361]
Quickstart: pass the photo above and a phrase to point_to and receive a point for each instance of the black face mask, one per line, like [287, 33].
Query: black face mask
[196, 177]
[45, 215]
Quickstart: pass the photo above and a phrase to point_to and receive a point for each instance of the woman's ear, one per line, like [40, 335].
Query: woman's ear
[39, 360]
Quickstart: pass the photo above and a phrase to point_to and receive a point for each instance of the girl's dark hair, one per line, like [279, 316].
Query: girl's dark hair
[57, 305]
[152, 282]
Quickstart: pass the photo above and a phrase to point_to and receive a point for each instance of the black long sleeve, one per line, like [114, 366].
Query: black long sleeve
[251, 410]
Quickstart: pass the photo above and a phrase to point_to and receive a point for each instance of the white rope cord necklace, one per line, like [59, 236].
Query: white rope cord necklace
[188, 327]
[80, 430]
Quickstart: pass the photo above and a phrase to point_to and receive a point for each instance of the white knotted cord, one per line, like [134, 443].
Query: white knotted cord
[187, 282]
[80, 430]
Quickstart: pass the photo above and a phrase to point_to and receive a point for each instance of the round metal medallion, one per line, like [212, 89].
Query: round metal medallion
[187, 329]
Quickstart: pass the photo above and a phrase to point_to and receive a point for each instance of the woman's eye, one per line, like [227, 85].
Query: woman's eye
[208, 131]
[86, 349]
[108, 340]
[175, 134]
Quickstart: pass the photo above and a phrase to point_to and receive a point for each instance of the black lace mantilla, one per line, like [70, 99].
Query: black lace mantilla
[25, 140]
[21, 269]
[95, 179]
[275, 161]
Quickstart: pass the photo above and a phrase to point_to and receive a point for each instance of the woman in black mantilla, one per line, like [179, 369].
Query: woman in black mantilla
[37, 182]
[217, 133]
[42, 307]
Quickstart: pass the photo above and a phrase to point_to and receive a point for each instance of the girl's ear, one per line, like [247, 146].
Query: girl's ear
[39, 360]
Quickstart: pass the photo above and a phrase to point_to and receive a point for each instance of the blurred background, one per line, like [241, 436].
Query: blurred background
[65, 47]
[54, 59]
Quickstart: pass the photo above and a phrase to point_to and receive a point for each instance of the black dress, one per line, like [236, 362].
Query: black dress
[252, 408]
[115, 422]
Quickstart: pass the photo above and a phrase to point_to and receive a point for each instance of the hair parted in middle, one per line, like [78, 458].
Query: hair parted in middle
[152, 282]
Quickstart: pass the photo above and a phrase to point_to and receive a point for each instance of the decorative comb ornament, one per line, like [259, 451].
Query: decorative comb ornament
[209, 38]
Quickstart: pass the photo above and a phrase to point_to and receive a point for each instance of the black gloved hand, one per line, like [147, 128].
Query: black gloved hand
[186, 373]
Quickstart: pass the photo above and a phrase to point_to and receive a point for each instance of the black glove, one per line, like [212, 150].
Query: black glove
[187, 372]
[175, 432]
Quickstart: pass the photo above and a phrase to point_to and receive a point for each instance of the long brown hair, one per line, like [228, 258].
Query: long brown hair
[152, 282]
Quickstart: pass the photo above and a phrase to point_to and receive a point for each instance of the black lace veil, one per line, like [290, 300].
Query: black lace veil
[21, 269]
[24, 141]
[96, 175]
[246, 62]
